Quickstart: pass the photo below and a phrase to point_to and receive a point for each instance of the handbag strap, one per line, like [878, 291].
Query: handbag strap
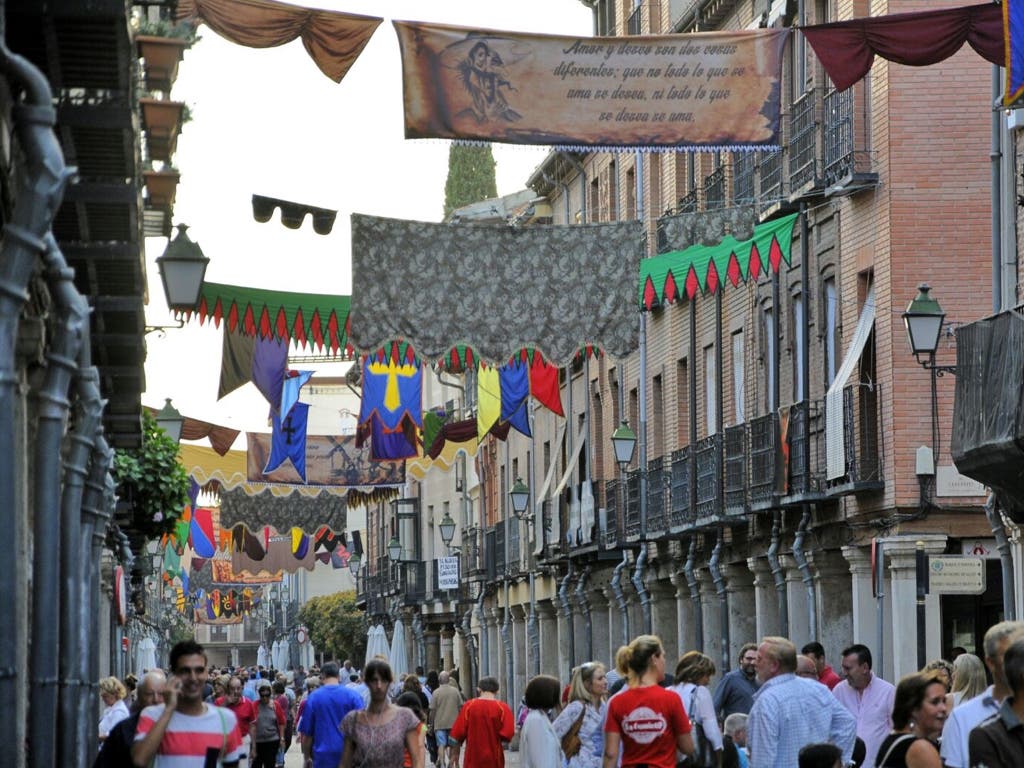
[904, 737]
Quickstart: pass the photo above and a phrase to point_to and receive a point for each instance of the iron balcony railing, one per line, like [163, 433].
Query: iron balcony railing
[709, 478]
[770, 172]
[846, 156]
[736, 470]
[512, 535]
[714, 189]
[764, 477]
[689, 202]
[803, 143]
[491, 551]
[681, 510]
[632, 516]
[806, 450]
[862, 454]
[657, 498]
[744, 176]
[609, 533]
[414, 583]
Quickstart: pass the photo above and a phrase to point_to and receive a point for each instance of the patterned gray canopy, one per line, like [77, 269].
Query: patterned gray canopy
[495, 288]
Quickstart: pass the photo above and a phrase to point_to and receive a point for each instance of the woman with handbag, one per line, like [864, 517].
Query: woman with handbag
[538, 745]
[645, 720]
[918, 714]
[579, 724]
[693, 672]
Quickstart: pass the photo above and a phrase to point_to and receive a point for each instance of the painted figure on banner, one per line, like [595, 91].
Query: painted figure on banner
[483, 77]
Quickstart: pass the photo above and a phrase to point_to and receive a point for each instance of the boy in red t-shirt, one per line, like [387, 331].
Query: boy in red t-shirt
[483, 724]
[648, 720]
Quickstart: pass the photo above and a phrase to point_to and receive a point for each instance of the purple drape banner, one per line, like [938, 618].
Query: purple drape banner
[699, 91]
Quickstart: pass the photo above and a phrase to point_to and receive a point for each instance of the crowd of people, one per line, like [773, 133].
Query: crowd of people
[777, 709]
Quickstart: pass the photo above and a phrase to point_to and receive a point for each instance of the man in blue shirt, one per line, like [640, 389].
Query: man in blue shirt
[735, 691]
[791, 712]
[957, 730]
[322, 741]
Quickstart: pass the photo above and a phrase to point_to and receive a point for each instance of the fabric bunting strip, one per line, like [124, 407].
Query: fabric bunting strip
[309, 319]
[331, 460]
[848, 48]
[392, 391]
[551, 287]
[201, 536]
[333, 40]
[670, 276]
[709, 90]
[288, 441]
[256, 513]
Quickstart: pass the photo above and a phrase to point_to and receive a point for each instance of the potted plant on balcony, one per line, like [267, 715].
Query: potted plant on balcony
[162, 120]
[161, 45]
[161, 186]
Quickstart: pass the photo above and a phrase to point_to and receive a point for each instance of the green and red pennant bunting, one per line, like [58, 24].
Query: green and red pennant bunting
[701, 268]
[309, 319]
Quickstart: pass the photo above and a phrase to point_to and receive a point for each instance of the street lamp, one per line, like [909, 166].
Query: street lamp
[520, 496]
[182, 269]
[624, 443]
[447, 526]
[170, 420]
[395, 549]
[354, 561]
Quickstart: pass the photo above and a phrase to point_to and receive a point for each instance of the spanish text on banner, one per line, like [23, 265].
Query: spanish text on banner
[706, 90]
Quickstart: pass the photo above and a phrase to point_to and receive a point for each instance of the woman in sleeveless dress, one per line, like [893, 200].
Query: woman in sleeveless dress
[918, 714]
[378, 736]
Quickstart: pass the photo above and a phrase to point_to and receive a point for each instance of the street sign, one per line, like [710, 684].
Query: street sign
[956, 574]
[448, 573]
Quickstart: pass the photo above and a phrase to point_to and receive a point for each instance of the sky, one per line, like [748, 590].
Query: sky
[269, 122]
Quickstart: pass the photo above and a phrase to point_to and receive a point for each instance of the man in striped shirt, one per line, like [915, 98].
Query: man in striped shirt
[184, 731]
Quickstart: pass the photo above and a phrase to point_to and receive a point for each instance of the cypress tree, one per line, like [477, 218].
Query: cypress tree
[470, 176]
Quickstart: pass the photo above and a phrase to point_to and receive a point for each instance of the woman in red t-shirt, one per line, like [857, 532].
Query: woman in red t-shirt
[646, 720]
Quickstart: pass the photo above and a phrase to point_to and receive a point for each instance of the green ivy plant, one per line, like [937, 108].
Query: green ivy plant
[153, 479]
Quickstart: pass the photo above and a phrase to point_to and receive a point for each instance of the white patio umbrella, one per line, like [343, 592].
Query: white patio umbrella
[275, 650]
[145, 658]
[376, 642]
[397, 657]
[282, 660]
[262, 656]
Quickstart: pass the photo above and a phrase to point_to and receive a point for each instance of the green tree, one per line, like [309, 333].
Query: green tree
[336, 626]
[470, 176]
[152, 480]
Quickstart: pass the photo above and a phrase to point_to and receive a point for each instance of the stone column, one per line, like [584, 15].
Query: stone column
[603, 652]
[663, 617]
[520, 667]
[496, 648]
[742, 610]
[432, 642]
[566, 630]
[712, 613]
[615, 620]
[833, 592]
[547, 618]
[901, 557]
[766, 600]
[863, 609]
[684, 611]
[796, 594]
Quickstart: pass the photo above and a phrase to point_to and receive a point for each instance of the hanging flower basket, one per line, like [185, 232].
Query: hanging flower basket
[162, 121]
[160, 56]
[161, 187]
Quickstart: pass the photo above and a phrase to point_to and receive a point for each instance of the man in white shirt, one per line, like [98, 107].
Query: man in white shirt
[869, 699]
[964, 718]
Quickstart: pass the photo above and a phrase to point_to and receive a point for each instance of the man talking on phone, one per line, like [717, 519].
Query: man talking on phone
[184, 731]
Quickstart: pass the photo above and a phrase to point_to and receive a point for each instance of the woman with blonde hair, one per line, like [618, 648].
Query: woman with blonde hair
[586, 706]
[968, 679]
[112, 693]
[693, 672]
[646, 702]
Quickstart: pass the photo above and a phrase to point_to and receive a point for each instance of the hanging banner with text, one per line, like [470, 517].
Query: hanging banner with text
[702, 91]
[447, 572]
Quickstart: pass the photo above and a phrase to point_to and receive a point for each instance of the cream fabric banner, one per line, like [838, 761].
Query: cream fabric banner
[701, 91]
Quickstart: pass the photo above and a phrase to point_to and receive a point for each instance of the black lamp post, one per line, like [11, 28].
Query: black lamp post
[395, 549]
[354, 561]
[520, 497]
[447, 526]
[624, 443]
[170, 420]
[182, 269]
